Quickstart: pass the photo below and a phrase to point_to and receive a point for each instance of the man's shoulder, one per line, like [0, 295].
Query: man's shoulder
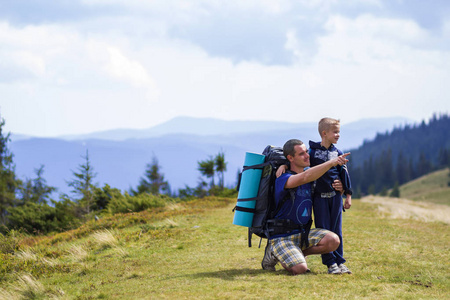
[284, 176]
[280, 182]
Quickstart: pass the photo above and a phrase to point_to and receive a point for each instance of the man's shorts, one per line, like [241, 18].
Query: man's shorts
[287, 249]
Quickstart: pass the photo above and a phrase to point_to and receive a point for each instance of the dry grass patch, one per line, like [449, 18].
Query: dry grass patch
[407, 209]
[78, 253]
[30, 255]
[28, 287]
[104, 238]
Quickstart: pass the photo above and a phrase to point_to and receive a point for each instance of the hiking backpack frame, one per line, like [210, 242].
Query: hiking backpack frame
[265, 209]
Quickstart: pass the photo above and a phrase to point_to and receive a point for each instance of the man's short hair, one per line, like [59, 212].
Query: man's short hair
[288, 148]
[325, 124]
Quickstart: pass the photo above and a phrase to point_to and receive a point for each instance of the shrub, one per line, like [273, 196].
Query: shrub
[9, 242]
[33, 218]
[41, 218]
[127, 203]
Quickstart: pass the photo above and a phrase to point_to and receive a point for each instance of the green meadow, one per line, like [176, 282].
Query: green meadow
[192, 250]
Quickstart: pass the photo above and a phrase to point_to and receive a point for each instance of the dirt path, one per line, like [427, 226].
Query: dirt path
[407, 209]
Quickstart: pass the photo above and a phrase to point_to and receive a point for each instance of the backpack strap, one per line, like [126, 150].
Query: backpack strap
[258, 166]
[283, 226]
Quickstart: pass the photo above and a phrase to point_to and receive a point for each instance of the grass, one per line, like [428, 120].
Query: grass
[194, 252]
[434, 187]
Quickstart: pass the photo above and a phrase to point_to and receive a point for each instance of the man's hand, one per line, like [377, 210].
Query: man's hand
[341, 159]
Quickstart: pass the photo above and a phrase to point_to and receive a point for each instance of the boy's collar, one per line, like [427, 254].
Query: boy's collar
[331, 145]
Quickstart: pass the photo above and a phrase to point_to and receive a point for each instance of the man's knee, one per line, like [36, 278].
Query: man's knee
[299, 269]
[331, 241]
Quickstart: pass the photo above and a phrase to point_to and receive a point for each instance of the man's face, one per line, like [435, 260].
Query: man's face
[301, 156]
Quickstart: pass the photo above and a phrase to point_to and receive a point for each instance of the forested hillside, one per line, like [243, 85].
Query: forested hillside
[401, 155]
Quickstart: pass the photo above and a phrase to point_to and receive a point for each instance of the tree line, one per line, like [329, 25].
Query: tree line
[396, 157]
[391, 159]
[27, 204]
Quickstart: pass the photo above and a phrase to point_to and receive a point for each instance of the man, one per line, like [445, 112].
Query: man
[293, 239]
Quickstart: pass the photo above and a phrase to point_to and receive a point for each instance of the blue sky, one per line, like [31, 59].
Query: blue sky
[72, 67]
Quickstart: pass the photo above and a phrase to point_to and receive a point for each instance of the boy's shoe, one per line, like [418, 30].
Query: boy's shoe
[269, 261]
[344, 269]
[334, 269]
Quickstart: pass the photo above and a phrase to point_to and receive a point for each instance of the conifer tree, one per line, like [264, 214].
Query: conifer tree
[8, 181]
[153, 182]
[395, 191]
[83, 185]
[444, 158]
[424, 165]
[36, 190]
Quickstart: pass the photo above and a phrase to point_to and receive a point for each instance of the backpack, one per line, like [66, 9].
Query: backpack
[265, 204]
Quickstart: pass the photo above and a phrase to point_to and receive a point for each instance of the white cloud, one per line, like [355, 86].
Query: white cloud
[195, 6]
[130, 71]
[124, 68]
[369, 40]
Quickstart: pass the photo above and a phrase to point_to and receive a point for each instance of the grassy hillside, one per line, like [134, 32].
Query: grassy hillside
[192, 251]
[434, 187]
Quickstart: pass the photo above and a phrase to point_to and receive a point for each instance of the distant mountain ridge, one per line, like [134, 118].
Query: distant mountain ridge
[214, 127]
[119, 157]
[187, 125]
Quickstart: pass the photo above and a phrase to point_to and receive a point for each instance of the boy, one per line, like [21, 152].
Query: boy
[327, 204]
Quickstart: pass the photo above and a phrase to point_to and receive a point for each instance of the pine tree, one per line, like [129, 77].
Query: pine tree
[385, 170]
[83, 185]
[444, 158]
[402, 171]
[424, 165]
[36, 190]
[8, 181]
[395, 191]
[153, 182]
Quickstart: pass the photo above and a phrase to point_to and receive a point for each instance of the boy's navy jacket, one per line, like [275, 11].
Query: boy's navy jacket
[318, 155]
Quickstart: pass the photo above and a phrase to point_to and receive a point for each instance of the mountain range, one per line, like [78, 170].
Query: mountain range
[119, 157]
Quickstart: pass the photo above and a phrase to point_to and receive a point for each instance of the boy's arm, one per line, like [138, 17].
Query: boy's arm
[315, 172]
[345, 179]
[348, 201]
[281, 170]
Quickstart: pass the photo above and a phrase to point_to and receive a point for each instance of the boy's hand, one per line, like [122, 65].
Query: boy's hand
[337, 185]
[348, 202]
[281, 169]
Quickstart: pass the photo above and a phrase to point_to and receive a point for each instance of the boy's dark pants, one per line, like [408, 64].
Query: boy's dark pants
[328, 215]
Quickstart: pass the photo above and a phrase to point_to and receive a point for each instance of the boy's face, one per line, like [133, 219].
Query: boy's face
[333, 134]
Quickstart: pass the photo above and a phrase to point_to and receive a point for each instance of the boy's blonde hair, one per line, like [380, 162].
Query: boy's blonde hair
[325, 124]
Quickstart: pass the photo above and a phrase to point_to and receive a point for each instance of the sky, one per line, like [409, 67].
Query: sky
[81, 66]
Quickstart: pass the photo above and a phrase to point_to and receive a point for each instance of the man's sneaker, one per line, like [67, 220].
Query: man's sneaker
[269, 261]
[334, 269]
[344, 269]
